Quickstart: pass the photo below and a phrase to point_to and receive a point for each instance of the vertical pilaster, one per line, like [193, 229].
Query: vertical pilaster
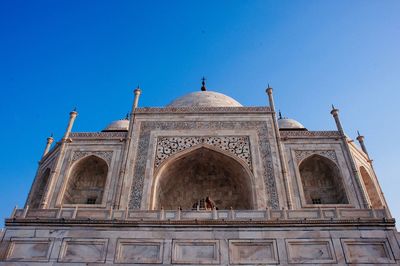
[335, 114]
[282, 157]
[361, 194]
[360, 139]
[57, 166]
[137, 93]
[126, 151]
[48, 145]
[72, 117]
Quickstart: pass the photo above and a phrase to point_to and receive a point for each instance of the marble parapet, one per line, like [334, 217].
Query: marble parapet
[319, 215]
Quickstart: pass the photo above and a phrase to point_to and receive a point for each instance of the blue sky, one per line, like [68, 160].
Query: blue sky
[55, 55]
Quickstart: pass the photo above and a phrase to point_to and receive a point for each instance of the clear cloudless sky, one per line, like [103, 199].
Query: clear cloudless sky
[55, 55]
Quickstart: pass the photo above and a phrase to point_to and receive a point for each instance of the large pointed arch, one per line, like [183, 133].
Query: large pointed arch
[372, 191]
[86, 182]
[200, 172]
[322, 182]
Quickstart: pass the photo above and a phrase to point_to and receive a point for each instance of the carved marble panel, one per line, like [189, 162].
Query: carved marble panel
[238, 146]
[29, 249]
[148, 251]
[310, 251]
[367, 251]
[143, 152]
[83, 250]
[253, 251]
[195, 252]
[4, 245]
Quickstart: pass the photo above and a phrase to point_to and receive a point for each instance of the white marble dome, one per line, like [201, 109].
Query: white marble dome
[205, 99]
[118, 125]
[287, 123]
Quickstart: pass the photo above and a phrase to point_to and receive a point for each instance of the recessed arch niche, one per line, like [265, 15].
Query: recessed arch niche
[203, 172]
[322, 181]
[39, 189]
[371, 189]
[86, 181]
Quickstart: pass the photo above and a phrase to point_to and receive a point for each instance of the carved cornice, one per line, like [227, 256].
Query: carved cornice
[48, 161]
[309, 134]
[98, 135]
[51, 154]
[239, 146]
[48, 164]
[387, 223]
[180, 110]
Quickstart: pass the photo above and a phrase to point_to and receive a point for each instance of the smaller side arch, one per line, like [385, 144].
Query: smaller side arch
[39, 189]
[372, 192]
[321, 180]
[86, 181]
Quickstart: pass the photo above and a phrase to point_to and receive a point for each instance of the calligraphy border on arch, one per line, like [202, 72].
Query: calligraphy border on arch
[238, 146]
[106, 155]
[302, 154]
[142, 154]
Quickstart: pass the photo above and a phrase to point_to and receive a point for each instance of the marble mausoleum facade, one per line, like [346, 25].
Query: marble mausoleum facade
[203, 180]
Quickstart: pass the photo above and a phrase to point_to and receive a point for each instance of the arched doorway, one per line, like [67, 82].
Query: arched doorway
[86, 182]
[322, 182]
[189, 178]
[371, 189]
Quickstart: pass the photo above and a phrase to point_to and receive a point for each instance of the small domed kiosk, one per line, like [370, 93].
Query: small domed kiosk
[285, 123]
[118, 125]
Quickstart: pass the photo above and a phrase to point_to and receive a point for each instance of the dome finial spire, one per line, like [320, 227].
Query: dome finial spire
[203, 84]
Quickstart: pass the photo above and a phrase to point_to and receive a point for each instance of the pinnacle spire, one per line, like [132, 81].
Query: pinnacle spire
[137, 90]
[203, 84]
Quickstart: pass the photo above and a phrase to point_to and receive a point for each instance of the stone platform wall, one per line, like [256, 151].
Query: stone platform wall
[197, 244]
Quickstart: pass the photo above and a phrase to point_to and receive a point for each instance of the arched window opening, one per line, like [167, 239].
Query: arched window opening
[39, 189]
[371, 189]
[86, 182]
[322, 182]
[203, 179]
